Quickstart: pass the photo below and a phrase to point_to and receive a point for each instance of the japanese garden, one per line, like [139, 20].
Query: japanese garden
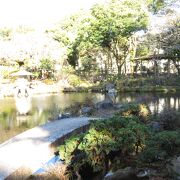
[99, 91]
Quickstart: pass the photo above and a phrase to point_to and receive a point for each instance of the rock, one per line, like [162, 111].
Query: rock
[109, 86]
[122, 174]
[64, 115]
[118, 106]
[109, 174]
[142, 174]
[69, 89]
[96, 89]
[104, 105]
[112, 94]
[86, 110]
[176, 166]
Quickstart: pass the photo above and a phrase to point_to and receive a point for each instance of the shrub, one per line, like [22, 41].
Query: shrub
[161, 146]
[74, 80]
[48, 81]
[119, 136]
[170, 119]
[117, 141]
[139, 110]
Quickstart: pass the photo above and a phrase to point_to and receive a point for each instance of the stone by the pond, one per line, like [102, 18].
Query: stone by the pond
[118, 106]
[86, 110]
[176, 166]
[122, 174]
[64, 115]
[142, 174]
[104, 105]
[109, 86]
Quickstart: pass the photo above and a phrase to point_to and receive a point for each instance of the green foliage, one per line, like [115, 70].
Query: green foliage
[161, 146]
[147, 83]
[171, 38]
[6, 33]
[111, 27]
[66, 71]
[105, 30]
[142, 50]
[133, 109]
[119, 135]
[46, 64]
[48, 81]
[22, 29]
[120, 140]
[169, 119]
[156, 5]
[74, 80]
[116, 20]
[69, 147]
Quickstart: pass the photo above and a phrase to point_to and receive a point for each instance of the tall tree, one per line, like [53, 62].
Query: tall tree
[112, 26]
[170, 42]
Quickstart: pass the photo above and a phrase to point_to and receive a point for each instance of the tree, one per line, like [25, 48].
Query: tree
[111, 28]
[104, 34]
[46, 66]
[171, 42]
[66, 34]
[5, 33]
[164, 44]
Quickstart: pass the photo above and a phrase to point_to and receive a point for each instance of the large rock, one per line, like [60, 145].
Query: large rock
[109, 86]
[122, 174]
[64, 115]
[111, 92]
[106, 104]
[86, 110]
[176, 166]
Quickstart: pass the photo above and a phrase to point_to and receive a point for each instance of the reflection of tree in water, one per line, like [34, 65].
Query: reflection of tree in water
[158, 102]
[7, 119]
[53, 112]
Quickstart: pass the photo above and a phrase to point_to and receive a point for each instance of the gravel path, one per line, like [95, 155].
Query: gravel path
[31, 149]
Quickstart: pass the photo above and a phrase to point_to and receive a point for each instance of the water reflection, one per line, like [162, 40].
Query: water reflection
[156, 102]
[23, 105]
[22, 96]
[42, 108]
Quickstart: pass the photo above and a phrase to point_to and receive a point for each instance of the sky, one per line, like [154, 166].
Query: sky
[39, 13]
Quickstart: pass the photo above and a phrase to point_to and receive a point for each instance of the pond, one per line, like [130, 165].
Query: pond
[43, 108]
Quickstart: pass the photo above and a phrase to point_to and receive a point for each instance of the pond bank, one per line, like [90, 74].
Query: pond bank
[7, 90]
[32, 148]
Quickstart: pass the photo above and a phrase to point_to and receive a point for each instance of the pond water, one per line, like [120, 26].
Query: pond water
[43, 108]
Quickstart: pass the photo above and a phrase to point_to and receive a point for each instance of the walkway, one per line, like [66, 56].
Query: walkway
[31, 149]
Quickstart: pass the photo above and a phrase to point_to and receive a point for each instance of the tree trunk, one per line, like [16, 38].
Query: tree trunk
[119, 70]
[168, 68]
[177, 65]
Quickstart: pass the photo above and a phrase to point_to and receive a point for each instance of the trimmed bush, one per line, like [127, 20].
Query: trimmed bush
[169, 119]
[161, 146]
[134, 109]
[106, 139]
